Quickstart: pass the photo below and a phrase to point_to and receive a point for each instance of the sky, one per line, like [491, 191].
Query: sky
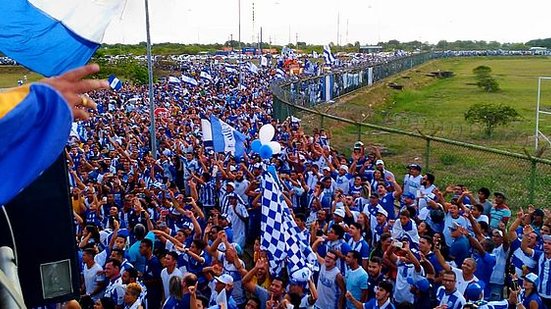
[324, 21]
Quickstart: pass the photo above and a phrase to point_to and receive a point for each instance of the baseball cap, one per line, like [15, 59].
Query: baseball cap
[358, 145]
[538, 212]
[422, 284]
[344, 167]
[382, 211]
[498, 193]
[339, 212]
[326, 168]
[415, 166]
[225, 279]
[409, 195]
[231, 184]
[379, 162]
[499, 232]
[473, 291]
[233, 168]
[531, 277]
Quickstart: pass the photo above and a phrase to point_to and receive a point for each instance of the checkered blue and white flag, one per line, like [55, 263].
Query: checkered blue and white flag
[281, 236]
[327, 55]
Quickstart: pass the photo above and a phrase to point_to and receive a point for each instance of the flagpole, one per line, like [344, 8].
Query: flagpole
[240, 48]
[150, 77]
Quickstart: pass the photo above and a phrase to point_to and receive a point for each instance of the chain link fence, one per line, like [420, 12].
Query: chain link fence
[523, 178]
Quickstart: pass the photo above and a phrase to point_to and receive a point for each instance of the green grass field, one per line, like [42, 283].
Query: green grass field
[437, 106]
[9, 75]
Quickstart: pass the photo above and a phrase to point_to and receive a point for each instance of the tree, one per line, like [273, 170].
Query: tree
[491, 116]
[485, 80]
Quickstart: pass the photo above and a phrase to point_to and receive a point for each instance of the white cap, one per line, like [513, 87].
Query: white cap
[225, 279]
[231, 184]
[379, 162]
[326, 168]
[344, 167]
[339, 212]
[381, 210]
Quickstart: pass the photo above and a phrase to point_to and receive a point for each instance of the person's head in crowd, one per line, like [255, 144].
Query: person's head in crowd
[181, 235]
[343, 170]
[425, 244]
[547, 244]
[414, 169]
[296, 290]
[484, 227]
[336, 232]
[453, 210]
[330, 259]
[117, 254]
[381, 189]
[175, 287]
[380, 165]
[468, 266]
[424, 229]
[197, 246]
[146, 247]
[381, 216]
[170, 260]
[530, 283]
[355, 230]
[363, 220]
[358, 180]
[223, 221]
[428, 180]
[322, 215]
[545, 230]
[252, 303]
[132, 293]
[532, 239]
[477, 210]
[326, 181]
[104, 303]
[232, 199]
[499, 198]
[338, 216]
[88, 255]
[139, 231]
[353, 259]
[374, 199]
[239, 176]
[405, 217]
[378, 176]
[224, 281]
[384, 291]
[112, 269]
[386, 241]
[419, 286]
[93, 231]
[300, 219]
[188, 280]
[449, 281]
[129, 275]
[537, 217]
[483, 194]
[375, 266]
[230, 187]
[277, 288]
[201, 302]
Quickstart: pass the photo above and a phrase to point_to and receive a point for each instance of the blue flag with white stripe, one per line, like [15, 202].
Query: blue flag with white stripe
[252, 68]
[189, 80]
[205, 75]
[327, 55]
[281, 236]
[114, 82]
[225, 138]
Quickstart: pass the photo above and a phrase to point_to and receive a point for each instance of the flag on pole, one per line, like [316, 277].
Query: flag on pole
[114, 82]
[225, 138]
[281, 236]
[252, 68]
[52, 37]
[173, 80]
[205, 75]
[207, 133]
[263, 61]
[327, 55]
[189, 80]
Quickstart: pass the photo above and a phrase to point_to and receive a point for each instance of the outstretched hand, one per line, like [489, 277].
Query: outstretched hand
[73, 86]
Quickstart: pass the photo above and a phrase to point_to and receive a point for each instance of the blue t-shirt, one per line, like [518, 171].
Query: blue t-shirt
[356, 282]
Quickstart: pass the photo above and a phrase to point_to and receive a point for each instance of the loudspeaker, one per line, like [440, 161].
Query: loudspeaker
[42, 220]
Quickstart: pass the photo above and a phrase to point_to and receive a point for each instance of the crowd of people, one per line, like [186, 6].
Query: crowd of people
[183, 230]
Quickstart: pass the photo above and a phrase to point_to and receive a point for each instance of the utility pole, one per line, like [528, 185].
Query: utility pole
[338, 26]
[150, 76]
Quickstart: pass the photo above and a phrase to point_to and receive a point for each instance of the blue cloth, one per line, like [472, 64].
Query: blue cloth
[39, 42]
[32, 134]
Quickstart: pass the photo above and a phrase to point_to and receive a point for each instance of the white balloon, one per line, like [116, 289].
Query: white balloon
[266, 133]
[276, 147]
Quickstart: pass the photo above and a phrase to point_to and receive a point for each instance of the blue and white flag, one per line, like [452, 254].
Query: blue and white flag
[231, 70]
[174, 80]
[205, 75]
[280, 74]
[281, 236]
[327, 55]
[114, 82]
[52, 37]
[207, 133]
[309, 68]
[189, 80]
[252, 68]
[263, 61]
[225, 138]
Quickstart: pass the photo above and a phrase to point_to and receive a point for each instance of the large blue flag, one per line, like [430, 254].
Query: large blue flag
[225, 138]
[52, 37]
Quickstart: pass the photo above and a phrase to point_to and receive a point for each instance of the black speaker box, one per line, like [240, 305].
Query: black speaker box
[42, 220]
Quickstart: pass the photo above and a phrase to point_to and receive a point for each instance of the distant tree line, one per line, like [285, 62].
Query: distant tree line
[193, 49]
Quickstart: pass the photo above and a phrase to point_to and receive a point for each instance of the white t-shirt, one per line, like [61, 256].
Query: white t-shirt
[92, 276]
[165, 277]
[461, 284]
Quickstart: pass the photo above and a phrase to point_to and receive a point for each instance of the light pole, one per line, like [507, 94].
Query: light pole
[150, 75]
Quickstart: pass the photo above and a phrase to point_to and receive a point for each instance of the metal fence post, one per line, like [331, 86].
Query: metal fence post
[427, 154]
[533, 175]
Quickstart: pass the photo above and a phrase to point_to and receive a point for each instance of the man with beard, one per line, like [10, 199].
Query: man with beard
[374, 270]
[380, 301]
